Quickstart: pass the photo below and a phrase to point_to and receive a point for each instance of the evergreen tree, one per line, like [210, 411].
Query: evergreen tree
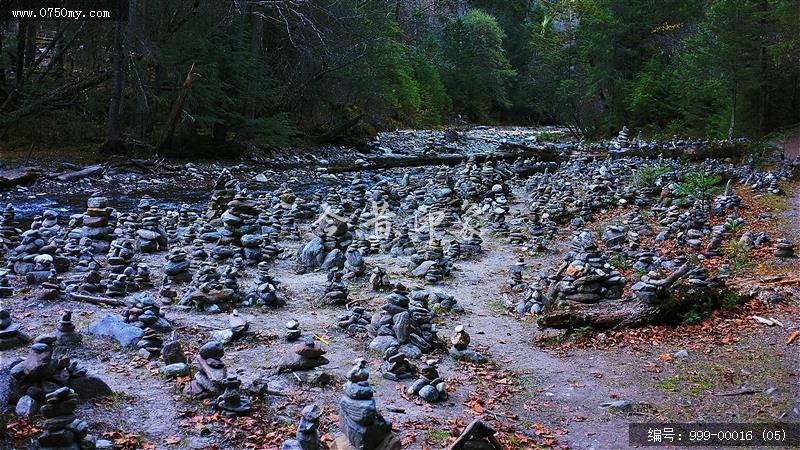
[476, 69]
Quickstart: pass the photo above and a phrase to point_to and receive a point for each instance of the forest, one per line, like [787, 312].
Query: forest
[217, 75]
[399, 224]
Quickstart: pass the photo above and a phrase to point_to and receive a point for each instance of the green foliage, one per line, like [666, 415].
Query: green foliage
[620, 262]
[700, 309]
[435, 103]
[699, 186]
[648, 175]
[476, 69]
[739, 255]
[233, 95]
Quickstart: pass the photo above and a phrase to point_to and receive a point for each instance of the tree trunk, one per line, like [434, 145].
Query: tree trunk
[114, 143]
[20, 63]
[732, 126]
[175, 113]
[30, 43]
[3, 70]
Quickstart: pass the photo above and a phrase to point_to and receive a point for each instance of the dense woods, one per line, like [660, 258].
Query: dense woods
[207, 75]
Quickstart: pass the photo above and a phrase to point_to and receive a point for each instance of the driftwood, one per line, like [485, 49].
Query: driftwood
[82, 173]
[19, 177]
[337, 130]
[615, 313]
[544, 153]
[101, 301]
[476, 430]
[692, 152]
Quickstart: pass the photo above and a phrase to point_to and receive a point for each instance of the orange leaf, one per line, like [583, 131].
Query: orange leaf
[793, 337]
[665, 358]
[172, 440]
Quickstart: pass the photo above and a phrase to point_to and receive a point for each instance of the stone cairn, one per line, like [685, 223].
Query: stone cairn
[336, 291]
[354, 262]
[265, 289]
[293, 331]
[240, 227]
[532, 300]
[402, 245]
[39, 372]
[378, 279]
[433, 266]
[61, 429]
[97, 224]
[460, 347]
[305, 356]
[9, 233]
[430, 386]
[403, 323]
[120, 255]
[10, 335]
[145, 312]
[454, 250]
[65, 333]
[118, 286]
[396, 365]
[174, 359]
[177, 269]
[586, 277]
[150, 344]
[363, 426]
[223, 192]
[784, 249]
[6, 289]
[53, 288]
[210, 372]
[515, 281]
[355, 320]
[307, 436]
[333, 236]
[728, 200]
[438, 301]
[85, 255]
[151, 235]
[232, 402]
[92, 281]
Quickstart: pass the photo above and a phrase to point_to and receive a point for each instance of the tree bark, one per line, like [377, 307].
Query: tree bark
[175, 113]
[30, 43]
[20, 63]
[114, 143]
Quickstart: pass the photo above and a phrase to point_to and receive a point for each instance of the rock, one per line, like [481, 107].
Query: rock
[172, 353]
[126, 335]
[213, 350]
[429, 394]
[174, 370]
[681, 354]
[89, 386]
[26, 407]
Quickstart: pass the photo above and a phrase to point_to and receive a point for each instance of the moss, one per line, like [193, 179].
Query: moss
[496, 307]
[438, 435]
[669, 384]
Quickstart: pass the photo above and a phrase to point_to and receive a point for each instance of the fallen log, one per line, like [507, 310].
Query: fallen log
[624, 312]
[544, 154]
[477, 430]
[78, 174]
[692, 152]
[19, 177]
[337, 130]
[101, 301]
